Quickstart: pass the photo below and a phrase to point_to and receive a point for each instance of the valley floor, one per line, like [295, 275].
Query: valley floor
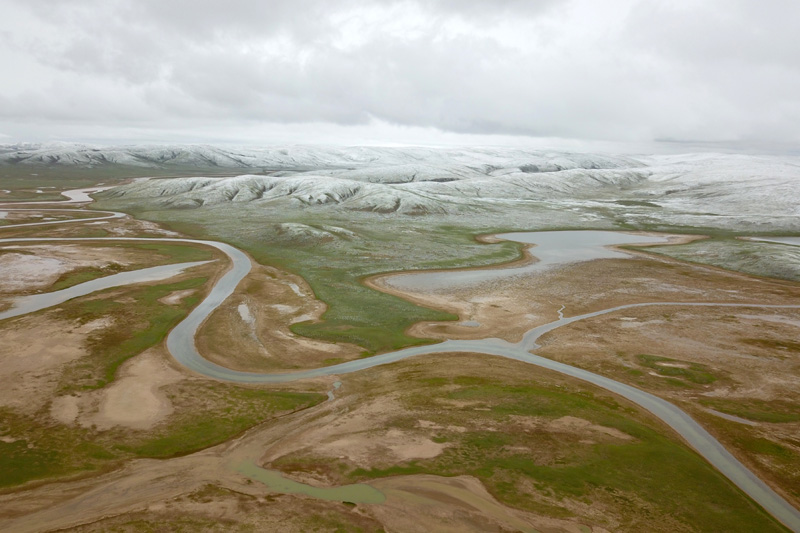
[102, 430]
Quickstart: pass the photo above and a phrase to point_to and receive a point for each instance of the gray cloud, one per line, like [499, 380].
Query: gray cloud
[624, 70]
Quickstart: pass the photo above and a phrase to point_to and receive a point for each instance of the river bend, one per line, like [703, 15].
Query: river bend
[181, 344]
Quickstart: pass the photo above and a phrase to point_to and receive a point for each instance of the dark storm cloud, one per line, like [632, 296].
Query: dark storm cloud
[623, 70]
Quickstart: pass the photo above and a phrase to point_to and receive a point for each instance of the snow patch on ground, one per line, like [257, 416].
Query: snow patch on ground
[246, 315]
[286, 309]
[295, 288]
[302, 318]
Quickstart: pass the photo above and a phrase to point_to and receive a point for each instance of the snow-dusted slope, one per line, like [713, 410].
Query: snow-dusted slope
[300, 190]
[727, 185]
[436, 181]
[479, 160]
[710, 185]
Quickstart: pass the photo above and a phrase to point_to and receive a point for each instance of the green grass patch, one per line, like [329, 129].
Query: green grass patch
[762, 446]
[158, 254]
[208, 414]
[44, 450]
[507, 457]
[82, 275]
[779, 346]
[673, 368]
[172, 252]
[138, 325]
[241, 409]
[20, 462]
[774, 412]
[335, 264]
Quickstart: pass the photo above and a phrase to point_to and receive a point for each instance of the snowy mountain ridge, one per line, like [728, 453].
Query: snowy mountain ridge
[419, 181]
[294, 157]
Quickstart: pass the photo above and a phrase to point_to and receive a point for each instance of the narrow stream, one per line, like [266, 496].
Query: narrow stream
[36, 302]
[106, 216]
[793, 241]
[356, 493]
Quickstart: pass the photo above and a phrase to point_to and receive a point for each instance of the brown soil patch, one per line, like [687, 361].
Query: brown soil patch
[713, 337]
[423, 503]
[135, 399]
[571, 425]
[212, 508]
[362, 436]
[33, 350]
[65, 409]
[174, 298]
[131, 227]
[27, 268]
[147, 491]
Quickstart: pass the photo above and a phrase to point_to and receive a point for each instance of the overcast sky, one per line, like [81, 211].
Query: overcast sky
[434, 71]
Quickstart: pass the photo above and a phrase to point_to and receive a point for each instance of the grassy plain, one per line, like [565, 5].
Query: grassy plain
[135, 318]
[538, 442]
[542, 444]
[765, 259]
[36, 448]
[334, 266]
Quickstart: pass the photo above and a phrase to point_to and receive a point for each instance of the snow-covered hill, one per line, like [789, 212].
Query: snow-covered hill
[298, 157]
[420, 181]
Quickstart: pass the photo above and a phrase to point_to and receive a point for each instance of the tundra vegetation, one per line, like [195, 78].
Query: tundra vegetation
[539, 443]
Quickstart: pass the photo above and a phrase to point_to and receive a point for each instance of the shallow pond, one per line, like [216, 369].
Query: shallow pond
[551, 248]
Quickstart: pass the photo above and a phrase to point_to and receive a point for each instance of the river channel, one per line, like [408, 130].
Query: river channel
[552, 248]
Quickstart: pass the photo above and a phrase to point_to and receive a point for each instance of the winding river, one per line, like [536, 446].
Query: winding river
[181, 344]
